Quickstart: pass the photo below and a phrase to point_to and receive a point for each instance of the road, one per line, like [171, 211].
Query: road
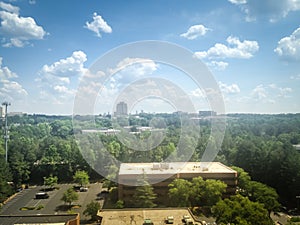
[53, 204]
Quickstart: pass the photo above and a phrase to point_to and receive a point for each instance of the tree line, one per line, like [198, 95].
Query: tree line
[262, 145]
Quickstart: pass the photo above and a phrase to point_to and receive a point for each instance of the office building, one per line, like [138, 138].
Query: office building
[121, 109]
[160, 175]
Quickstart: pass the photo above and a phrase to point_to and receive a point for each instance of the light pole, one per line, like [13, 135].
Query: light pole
[298, 198]
[6, 136]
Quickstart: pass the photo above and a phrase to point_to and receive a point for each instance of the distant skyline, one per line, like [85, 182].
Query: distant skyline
[251, 47]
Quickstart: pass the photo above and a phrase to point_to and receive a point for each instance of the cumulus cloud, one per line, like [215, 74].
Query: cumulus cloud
[135, 66]
[98, 25]
[217, 65]
[55, 79]
[269, 92]
[195, 32]
[234, 49]
[197, 93]
[9, 8]
[269, 9]
[13, 88]
[9, 88]
[288, 48]
[17, 30]
[70, 66]
[259, 92]
[5, 72]
[229, 89]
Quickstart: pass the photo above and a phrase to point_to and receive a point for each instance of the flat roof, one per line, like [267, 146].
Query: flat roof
[173, 168]
[138, 216]
[58, 219]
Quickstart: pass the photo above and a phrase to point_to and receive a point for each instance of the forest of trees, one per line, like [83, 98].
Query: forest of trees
[262, 145]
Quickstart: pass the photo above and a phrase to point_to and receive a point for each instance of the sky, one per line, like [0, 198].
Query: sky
[48, 50]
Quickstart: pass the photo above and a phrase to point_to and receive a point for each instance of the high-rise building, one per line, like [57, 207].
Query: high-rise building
[121, 109]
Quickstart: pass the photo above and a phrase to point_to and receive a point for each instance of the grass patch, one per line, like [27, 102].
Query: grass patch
[40, 207]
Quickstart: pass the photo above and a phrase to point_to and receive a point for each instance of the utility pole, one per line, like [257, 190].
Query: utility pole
[6, 136]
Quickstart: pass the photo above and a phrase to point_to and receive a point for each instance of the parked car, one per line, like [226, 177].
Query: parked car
[170, 220]
[148, 222]
[83, 189]
[186, 219]
[41, 195]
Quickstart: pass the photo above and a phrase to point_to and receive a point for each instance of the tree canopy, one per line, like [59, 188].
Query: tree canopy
[240, 210]
[81, 177]
[70, 196]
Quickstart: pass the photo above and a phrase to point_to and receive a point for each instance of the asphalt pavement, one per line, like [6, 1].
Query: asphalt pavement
[51, 205]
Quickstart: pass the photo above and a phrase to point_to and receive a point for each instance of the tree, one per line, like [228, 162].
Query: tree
[198, 192]
[144, 195]
[243, 179]
[50, 181]
[81, 177]
[257, 191]
[266, 195]
[20, 168]
[5, 177]
[240, 210]
[70, 196]
[179, 192]
[92, 209]
[213, 191]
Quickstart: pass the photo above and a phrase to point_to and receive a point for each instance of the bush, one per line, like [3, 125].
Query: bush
[295, 219]
[39, 207]
[119, 204]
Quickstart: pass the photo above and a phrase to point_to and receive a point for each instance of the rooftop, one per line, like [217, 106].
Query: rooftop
[174, 167]
[59, 219]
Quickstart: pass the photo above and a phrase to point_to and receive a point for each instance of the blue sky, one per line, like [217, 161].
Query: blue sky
[251, 47]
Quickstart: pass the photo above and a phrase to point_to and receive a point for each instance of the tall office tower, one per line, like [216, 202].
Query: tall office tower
[121, 109]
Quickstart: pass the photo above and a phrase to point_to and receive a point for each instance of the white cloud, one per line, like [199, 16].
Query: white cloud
[5, 72]
[217, 65]
[259, 92]
[270, 92]
[68, 67]
[281, 91]
[10, 89]
[135, 66]
[238, 2]
[229, 89]
[17, 30]
[296, 77]
[269, 9]
[284, 92]
[64, 90]
[288, 48]
[9, 8]
[98, 25]
[55, 80]
[195, 32]
[235, 49]
[13, 88]
[197, 93]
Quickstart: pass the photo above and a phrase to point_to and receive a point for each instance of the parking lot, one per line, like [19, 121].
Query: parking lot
[25, 203]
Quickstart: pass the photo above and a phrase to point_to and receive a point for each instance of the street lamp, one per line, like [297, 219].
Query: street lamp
[6, 136]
